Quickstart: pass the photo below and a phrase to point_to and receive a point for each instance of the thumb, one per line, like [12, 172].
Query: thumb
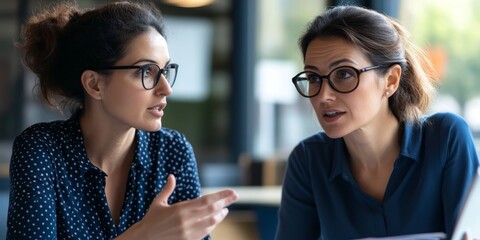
[167, 190]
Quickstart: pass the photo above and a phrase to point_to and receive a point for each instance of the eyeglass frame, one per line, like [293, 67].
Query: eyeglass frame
[144, 69]
[357, 71]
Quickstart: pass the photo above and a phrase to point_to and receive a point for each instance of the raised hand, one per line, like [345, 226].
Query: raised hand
[192, 219]
[466, 237]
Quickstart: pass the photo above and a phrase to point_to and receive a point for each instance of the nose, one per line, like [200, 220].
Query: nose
[162, 87]
[327, 93]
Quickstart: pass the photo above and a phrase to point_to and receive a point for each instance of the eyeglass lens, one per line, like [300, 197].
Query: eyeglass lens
[343, 79]
[151, 74]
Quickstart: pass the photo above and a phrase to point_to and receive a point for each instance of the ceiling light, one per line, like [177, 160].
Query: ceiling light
[189, 3]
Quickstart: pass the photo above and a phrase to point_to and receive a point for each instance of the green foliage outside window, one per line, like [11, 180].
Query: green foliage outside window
[453, 26]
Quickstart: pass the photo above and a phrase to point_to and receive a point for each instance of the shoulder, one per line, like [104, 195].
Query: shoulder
[445, 121]
[44, 132]
[444, 117]
[35, 150]
[449, 132]
[43, 141]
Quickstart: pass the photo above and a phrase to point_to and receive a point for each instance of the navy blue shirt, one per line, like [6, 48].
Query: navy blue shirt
[57, 193]
[431, 175]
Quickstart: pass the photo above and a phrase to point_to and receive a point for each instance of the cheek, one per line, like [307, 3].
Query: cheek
[122, 99]
[366, 102]
[316, 105]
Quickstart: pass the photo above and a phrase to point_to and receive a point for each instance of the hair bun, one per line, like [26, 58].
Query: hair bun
[40, 38]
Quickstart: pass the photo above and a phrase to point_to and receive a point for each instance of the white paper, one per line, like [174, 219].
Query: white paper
[469, 219]
[420, 236]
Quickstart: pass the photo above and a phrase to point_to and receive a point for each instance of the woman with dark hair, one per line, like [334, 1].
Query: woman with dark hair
[379, 167]
[110, 170]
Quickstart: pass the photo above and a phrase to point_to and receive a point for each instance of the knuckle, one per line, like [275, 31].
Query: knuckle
[205, 201]
[212, 220]
[211, 208]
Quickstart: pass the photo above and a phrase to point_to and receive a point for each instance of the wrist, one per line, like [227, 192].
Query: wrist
[133, 232]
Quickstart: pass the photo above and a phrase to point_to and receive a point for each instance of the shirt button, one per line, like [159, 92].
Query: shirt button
[345, 177]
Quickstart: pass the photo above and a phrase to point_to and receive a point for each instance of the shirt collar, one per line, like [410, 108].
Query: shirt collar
[80, 159]
[339, 160]
[143, 140]
[411, 139]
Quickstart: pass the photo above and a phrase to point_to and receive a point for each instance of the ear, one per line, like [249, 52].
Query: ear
[392, 79]
[90, 81]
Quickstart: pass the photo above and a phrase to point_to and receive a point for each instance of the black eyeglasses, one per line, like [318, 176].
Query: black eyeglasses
[150, 73]
[343, 79]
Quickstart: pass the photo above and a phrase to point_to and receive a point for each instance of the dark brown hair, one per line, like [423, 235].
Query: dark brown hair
[61, 42]
[384, 41]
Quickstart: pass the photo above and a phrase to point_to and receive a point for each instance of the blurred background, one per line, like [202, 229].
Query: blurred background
[234, 99]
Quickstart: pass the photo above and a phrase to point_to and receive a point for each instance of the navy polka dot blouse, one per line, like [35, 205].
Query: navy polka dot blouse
[57, 193]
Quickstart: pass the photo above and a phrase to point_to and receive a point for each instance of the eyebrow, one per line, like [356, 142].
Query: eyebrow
[150, 61]
[332, 65]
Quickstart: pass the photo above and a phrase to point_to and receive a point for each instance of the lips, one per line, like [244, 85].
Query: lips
[157, 110]
[332, 115]
[160, 106]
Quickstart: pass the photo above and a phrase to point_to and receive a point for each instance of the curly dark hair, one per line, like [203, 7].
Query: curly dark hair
[61, 42]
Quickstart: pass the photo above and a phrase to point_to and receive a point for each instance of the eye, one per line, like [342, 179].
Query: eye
[343, 73]
[312, 77]
[149, 71]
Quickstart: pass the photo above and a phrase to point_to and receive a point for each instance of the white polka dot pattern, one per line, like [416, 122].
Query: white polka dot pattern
[57, 193]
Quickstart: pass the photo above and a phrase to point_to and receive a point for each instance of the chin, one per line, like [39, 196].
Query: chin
[151, 127]
[157, 128]
[334, 133]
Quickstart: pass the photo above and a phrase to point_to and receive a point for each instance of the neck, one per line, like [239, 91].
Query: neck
[374, 146]
[109, 146]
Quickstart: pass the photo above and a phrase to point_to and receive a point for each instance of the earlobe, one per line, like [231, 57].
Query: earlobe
[90, 81]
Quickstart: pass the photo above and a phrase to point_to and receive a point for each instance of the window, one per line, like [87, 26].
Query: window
[284, 118]
[446, 30]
